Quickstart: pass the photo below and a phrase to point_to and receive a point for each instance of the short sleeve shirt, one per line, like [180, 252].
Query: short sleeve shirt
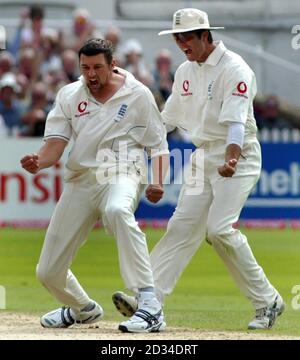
[131, 115]
[208, 96]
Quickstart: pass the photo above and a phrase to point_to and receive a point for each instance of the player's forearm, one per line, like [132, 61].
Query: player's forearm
[160, 166]
[50, 153]
[235, 141]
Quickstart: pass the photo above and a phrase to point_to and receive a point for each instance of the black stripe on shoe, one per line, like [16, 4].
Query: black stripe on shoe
[63, 318]
[149, 318]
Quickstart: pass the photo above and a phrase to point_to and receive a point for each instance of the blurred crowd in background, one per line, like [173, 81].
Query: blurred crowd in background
[38, 61]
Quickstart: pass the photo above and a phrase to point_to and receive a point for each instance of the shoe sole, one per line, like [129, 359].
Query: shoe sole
[49, 326]
[122, 305]
[156, 328]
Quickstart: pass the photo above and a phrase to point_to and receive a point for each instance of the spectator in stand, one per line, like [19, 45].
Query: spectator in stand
[57, 77]
[51, 60]
[271, 117]
[51, 63]
[10, 109]
[113, 35]
[70, 65]
[29, 65]
[7, 63]
[23, 94]
[30, 31]
[14, 45]
[83, 29]
[163, 77]
[33, 122]
[134, 63]
[31, 35]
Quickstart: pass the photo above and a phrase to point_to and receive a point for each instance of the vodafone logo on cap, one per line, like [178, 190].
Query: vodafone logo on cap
[82, 106]
[242, 87]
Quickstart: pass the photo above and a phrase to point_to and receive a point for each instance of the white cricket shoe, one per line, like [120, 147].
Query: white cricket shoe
[265, 317]
[125, 304]
[65, 317]
[149, 317]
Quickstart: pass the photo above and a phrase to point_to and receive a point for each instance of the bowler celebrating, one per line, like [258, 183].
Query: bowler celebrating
[112, 118]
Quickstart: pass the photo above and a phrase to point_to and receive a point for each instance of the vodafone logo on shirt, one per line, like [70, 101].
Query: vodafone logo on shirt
[82, 106]
[241, 90]
[81, 109]
[242, 87]
[186, 86]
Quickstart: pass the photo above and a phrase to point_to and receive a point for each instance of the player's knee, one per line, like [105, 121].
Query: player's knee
[41, 274]
[226, 236]
[44, 275]
[116, 211]
[214, 233]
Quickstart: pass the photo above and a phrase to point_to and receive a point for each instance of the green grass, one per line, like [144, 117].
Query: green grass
[204, 298]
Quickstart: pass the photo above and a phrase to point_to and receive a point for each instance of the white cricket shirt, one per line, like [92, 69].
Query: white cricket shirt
[207, 96]
[129, 117]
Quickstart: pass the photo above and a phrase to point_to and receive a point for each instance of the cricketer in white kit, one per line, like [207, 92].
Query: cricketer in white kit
[212, 99]
[112, 118]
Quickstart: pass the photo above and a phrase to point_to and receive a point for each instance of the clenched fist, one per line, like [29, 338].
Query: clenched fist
[228, 169]
[30, 163]
[154, 193]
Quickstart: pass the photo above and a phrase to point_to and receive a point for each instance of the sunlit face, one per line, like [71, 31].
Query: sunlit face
[195, 49]
[96, 71]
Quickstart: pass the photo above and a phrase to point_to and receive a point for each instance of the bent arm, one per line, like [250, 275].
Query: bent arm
[235, 141]
[47, 156]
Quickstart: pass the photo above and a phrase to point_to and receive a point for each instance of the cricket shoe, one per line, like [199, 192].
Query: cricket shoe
[125, 304]
[265, 317]
[65, 317]
[149, 317]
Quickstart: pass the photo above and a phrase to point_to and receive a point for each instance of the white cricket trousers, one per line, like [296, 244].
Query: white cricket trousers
[82, 203]
[207, 209]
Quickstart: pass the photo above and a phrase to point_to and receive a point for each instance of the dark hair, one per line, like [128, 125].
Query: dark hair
[97, 46]
[36, 12]
[200, 32]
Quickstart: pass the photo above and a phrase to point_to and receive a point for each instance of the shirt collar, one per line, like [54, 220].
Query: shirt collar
[217, 54]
